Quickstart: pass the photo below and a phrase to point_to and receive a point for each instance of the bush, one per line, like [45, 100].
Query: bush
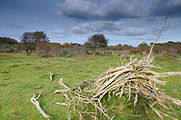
[134, 50]
[97, 40]
[7, 40]
[70, 52]
[144, 48]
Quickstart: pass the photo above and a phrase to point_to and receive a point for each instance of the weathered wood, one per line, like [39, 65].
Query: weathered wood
[37, 104]
[167, 74]
[51, 75]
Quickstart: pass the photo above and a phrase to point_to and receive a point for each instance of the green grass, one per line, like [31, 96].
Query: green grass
[21, 76]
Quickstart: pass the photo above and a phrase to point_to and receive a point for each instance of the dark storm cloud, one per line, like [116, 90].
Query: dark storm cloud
[164, 7]
[113, 10]
[15, 26]
[117, 9]
[107, 17]
[76, 8]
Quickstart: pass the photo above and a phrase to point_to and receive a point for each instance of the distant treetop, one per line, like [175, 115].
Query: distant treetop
[7, 40]
[97, 40]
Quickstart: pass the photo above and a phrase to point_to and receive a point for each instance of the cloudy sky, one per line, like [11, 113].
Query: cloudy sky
[121, 21]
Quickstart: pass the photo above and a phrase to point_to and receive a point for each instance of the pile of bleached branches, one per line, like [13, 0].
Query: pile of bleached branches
[133, 79]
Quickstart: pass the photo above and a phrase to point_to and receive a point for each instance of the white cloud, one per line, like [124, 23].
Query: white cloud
[113, 27]
[134, 31]
[165, 7]
[98, 26]
[59, 33]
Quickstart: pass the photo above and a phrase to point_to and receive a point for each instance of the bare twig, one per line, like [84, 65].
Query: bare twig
[159, 34]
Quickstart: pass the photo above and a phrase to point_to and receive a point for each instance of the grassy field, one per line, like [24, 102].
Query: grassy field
[21, 76]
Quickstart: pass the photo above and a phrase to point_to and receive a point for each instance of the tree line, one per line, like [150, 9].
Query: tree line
[39, 42]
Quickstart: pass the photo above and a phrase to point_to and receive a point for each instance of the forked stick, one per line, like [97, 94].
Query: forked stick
[37, 104]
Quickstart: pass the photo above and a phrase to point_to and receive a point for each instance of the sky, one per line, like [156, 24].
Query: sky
[129, 22]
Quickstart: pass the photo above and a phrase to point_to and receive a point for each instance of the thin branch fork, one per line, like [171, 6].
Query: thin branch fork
[61, 83]
[51, 75]
[159, 34]
[37, 104]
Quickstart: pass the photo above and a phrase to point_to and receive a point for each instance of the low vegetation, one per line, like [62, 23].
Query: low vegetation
[37, 44]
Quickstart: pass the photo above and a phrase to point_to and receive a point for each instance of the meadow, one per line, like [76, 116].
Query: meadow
[21, 76]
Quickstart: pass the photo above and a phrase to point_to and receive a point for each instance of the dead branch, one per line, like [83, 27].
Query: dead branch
[36, 103]
[51, 75]
[61, 83]
[159, 34]
[167, 74]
